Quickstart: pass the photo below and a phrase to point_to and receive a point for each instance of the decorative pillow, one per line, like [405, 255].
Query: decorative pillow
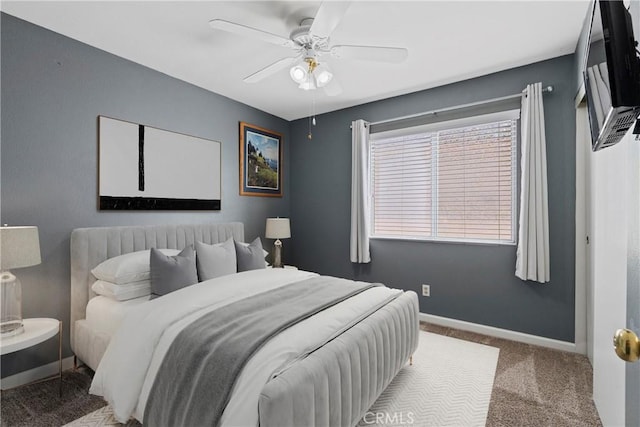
[170, 273]
[122, 292]
[251, 256]
[247, 244]
[215, 260]
[127, 268]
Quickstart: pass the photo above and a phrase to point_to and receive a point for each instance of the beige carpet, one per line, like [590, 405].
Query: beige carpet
[535, 386]
[449, 384]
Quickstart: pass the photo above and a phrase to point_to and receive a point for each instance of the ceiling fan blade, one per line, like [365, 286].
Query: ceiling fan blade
[243, 30]
[371, 53]
[328, 17]
[333, 88]
[269, 70]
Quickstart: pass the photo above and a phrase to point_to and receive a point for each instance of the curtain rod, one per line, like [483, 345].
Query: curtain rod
[457, 107]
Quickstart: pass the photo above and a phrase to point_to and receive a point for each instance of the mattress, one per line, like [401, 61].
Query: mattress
[105, 314]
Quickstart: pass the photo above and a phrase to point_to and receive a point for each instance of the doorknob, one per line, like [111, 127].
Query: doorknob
[627, 345]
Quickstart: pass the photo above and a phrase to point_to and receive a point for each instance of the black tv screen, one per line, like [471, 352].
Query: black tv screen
[611, 73]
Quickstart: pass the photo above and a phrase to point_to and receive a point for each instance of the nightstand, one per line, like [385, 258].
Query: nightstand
[35, 332]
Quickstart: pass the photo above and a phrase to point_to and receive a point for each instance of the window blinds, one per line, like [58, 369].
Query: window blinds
[402, 186]
[453, 184]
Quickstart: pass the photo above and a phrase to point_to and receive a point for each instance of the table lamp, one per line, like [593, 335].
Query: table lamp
[19, 247]
[278, 228]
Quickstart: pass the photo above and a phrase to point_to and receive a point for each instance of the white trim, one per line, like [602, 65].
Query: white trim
[463, 240]
[583, 149]
[499, 333]
[580, 95]
[35, 374]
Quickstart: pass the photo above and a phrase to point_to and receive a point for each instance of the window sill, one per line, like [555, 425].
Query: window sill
[454, 241]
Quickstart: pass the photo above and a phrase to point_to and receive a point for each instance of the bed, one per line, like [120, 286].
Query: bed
[325, 370]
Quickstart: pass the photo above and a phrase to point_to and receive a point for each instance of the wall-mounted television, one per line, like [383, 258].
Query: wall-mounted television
[611, 72]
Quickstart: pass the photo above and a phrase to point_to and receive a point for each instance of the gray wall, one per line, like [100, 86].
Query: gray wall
[53, 89]
[474, 283]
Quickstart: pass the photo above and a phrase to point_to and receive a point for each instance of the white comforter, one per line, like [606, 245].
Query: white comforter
[128, 368]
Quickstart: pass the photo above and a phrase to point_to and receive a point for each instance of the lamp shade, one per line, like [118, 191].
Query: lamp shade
[278, 228]
[19, 247]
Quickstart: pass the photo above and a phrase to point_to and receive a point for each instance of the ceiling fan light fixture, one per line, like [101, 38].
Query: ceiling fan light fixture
[298, 73]
[308, 84]
[322, 75]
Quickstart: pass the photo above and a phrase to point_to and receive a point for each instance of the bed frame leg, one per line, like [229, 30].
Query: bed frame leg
[75, 362]
[411, 360]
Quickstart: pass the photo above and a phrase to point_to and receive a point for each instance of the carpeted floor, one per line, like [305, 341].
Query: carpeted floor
[40, 405]
[533, 386]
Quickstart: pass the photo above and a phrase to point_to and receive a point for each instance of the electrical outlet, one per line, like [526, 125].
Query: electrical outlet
[426, 290]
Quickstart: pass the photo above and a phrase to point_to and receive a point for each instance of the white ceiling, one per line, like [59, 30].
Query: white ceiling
[448, 41]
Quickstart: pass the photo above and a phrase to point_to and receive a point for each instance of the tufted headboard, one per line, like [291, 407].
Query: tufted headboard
[91, 246]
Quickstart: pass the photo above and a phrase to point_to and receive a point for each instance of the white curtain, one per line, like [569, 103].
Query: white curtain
[360, 211]
[533, 234]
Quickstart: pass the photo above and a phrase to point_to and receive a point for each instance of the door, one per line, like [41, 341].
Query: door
[632, 389]
[608, 248]
[614, 252]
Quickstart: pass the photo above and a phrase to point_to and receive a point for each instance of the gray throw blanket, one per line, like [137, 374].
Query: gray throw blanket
[194, 382]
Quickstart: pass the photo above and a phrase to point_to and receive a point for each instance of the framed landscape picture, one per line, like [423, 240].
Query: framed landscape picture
[260, 161]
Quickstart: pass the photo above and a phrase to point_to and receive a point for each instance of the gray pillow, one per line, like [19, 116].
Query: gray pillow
[215, 260]
[170, 273]
[250, 257]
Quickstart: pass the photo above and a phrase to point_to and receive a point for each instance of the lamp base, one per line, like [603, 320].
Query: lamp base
[277, 254]
[10, 305]
[10, 329]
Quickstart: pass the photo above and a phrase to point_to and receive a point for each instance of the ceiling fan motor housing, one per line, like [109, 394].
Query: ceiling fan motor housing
[302, 37]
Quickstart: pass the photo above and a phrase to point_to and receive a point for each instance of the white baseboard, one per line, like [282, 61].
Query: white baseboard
[499, 333]
[35, 374]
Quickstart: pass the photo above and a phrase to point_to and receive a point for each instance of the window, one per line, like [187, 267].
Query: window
[452, 180]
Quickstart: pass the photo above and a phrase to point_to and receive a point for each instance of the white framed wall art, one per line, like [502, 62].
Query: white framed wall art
[145, 168]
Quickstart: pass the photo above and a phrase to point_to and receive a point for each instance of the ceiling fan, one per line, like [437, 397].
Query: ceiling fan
[310, 42]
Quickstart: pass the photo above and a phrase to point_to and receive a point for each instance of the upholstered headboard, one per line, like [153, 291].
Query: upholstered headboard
[91, 246]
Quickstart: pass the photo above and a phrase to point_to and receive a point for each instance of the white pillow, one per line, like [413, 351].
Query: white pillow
[122, 292]
[131, 267]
